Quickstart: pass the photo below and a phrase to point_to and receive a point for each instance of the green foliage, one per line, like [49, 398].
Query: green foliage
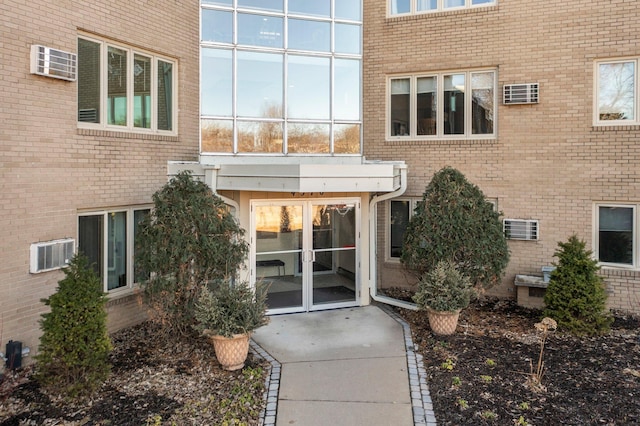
[73, 357]
[444, 289]
[448, 365]
[231, 309]
[455, 221]
[575, 296]
[189, 240]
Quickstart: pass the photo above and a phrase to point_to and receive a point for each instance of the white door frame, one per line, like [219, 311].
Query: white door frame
[307, 252]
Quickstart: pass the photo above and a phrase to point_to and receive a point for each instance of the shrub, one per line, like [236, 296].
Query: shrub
[74, 348]
[454, 221]
[575, 296]
[444, 289]
[188, 241]
[231, 309]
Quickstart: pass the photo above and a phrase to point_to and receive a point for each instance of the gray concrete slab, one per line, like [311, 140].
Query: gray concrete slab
[353, 380]
[337, 334]
[314, 413]
[340, 367]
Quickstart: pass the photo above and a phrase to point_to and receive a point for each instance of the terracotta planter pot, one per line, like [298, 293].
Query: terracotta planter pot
[231, 352]
[443, 323]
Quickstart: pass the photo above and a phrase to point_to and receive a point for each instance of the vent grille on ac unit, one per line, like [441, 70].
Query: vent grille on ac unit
[51, 255]
[53, 63]
[520, 93]
[520, 229]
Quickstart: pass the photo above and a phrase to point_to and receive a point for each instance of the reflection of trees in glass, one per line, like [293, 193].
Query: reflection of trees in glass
[217, 136]
[309, 138]
[346, 139]
[285, 221]
[262, 136]
[482, 103]
[616, 91]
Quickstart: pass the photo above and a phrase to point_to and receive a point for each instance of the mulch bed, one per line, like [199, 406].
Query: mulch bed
[154, 381]
[479, 376]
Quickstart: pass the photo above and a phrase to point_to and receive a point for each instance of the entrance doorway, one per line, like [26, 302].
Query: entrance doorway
[306, 251]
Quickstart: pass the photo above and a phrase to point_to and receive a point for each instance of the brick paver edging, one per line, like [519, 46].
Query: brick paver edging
[421, 404]
[271, 385]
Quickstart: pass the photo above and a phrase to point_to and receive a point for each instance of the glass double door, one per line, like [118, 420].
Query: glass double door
[306, 253]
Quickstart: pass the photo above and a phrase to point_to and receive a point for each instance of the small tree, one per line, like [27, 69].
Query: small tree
[74, 348]
[189, 240]
[454, 221]
[575, 296]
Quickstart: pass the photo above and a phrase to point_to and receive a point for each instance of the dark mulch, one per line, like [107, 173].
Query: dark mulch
[154, 381]
[479, 376]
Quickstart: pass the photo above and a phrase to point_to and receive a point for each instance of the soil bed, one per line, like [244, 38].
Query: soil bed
[479, 376]
[153, 381]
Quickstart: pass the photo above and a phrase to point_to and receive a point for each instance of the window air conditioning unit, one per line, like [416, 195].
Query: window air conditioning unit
[53, 63]
[514, 94]
[50, 255]
[520, 229]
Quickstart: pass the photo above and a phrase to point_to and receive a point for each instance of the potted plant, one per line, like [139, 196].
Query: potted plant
[443, 292]
[227, 313]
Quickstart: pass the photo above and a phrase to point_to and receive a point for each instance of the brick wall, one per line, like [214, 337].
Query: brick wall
[548, 161]
[49, 169]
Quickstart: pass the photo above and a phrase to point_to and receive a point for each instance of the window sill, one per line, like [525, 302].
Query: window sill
[439, 13]
[127, 135]
[122, 295]
[616, 127]
[442, 141]
[612, 271]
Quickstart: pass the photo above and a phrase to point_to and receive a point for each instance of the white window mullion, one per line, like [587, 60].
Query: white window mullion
[130, 83]
[440, 104]
[105, 252]
[413, 105]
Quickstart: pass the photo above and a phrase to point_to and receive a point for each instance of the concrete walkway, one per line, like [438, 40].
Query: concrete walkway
[353, 366]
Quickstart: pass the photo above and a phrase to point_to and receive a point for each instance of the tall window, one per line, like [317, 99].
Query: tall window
[403, 7]
[460, 104]
[122, 88]
[108, 241]
[615, 235]
[281, 82]
[617, 100]
[400, 211]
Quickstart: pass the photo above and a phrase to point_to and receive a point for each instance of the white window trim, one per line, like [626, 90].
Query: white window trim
[413, 203]
[440, 8]
[440, 107]
[596, 234]
[130, 128]
[596, 92]
[105, 242]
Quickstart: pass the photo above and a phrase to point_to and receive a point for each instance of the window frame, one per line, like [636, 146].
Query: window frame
[129, 248]
[413, 203]
[634, 232]
[131, 54]
[413, 8]
[341, 125]
[440, 99]
[596, 90]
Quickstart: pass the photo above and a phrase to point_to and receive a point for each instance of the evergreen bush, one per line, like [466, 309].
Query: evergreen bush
[454, 221]
[227, 310]
[444, 289]
[189, 240]
[575, 296]
[73, 357]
